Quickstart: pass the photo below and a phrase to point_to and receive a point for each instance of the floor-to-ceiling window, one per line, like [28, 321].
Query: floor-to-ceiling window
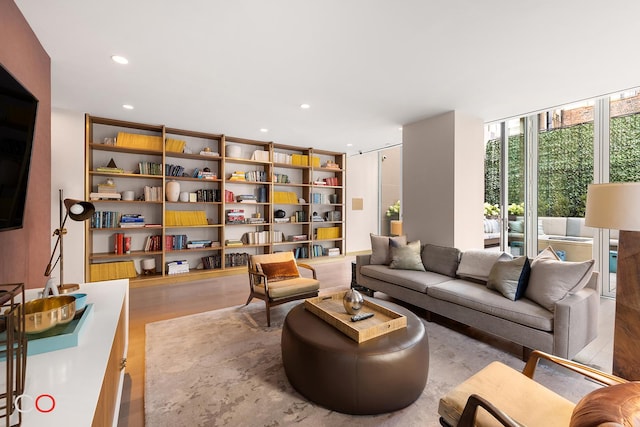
[504, 199]
[570, 147]
[565, 169]
[624, 164]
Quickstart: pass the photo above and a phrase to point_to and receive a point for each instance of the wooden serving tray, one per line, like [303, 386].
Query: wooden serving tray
[330, 309]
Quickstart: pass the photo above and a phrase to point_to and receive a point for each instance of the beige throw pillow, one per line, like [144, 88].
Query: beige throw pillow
[406, 257]
[510, 278]
[551, 280]
[380, 253]
[477, 263]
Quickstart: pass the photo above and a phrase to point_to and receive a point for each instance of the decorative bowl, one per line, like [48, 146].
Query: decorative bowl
[44, 313]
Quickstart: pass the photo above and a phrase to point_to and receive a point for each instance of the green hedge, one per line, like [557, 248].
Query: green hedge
[565, 165]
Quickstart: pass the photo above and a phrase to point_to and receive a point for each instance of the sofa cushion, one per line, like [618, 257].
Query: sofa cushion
[552, 280]
[441, 259]
[510, 278]
[415, 280]
[406, 257]
[477, 297]
[380, 253]
[476, 263]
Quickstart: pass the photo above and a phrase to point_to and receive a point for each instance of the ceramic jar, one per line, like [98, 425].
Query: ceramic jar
[173, 191]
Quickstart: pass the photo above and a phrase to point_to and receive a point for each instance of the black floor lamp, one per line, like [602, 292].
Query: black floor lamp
[77, 210]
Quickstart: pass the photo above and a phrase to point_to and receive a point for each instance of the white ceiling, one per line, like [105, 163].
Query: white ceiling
[366, 67]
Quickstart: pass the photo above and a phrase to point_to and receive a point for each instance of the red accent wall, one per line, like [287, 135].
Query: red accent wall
[24, 253]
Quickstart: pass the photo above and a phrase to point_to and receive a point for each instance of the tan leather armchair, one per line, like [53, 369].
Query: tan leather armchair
[511, 398]
[275, 279]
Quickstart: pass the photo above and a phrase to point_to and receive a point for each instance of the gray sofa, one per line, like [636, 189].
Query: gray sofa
[450, 288]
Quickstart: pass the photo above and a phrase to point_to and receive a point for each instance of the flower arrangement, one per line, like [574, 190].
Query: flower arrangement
[394, 210]
[516, 209]
[491, 210]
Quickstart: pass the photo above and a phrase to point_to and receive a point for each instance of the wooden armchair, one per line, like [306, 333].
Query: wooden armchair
[275, 279]
[511, 398]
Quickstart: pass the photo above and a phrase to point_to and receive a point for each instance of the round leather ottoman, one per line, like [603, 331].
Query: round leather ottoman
[380, 375]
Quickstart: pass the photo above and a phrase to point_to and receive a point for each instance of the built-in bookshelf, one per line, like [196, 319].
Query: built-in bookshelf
[177, 205]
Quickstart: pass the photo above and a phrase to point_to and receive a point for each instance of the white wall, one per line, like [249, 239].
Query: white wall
[67, 173]
[362, 182]
[443, 180]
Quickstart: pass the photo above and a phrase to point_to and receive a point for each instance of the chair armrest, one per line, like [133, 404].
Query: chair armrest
[587, 371]
[256, 277]
[467, 419]
[308, 267]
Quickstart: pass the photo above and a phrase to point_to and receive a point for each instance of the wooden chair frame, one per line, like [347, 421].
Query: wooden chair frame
[257, 277]
[474, 401]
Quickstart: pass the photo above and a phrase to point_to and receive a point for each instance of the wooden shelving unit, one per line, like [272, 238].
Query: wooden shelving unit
[313, 179]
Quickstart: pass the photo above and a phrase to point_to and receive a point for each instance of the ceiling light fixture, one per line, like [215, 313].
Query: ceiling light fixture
[349, 145]
[265, 130]
[119, 59]
[127, 107]
[305, 106]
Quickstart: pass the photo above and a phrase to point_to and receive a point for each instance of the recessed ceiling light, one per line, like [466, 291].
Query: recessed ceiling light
[264, 130]
[400, 128]
[349, 145]
[127, 107]
[120, 59]
[305, 106]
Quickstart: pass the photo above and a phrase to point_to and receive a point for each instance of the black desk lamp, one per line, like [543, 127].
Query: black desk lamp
[77, 210]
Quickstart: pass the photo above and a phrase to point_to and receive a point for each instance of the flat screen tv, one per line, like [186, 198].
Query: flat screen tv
[17, 122]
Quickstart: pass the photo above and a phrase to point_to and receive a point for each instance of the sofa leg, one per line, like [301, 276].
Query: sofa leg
[427, 316]
[526, 352]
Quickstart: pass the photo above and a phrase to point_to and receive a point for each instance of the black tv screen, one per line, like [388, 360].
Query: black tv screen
[17, 122]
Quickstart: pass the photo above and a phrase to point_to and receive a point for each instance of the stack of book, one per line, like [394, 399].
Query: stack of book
[131, 221]
[233, 242]
[260, 155]
[153, 194]
[178, 267]
[104, 219]
[235, 216]
[237, 176]
[175, 242]
[153, 243]
[212, 261]
[121, 244]
[173, 170]
[333, 181]
[149, 168]
[197, 244]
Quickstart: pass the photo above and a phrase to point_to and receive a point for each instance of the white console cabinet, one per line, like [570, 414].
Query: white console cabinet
[86, 380]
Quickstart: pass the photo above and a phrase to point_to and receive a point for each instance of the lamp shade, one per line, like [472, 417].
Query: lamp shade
[613, 205]
[79, 210]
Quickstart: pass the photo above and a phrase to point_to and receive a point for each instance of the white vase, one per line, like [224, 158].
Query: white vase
[173, 191]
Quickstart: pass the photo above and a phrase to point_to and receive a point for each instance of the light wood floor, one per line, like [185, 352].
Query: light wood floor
[156, 303]
[151, 304]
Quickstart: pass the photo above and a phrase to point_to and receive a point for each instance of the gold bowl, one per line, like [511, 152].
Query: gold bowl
[44, 313]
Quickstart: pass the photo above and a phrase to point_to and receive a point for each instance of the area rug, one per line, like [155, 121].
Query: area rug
[224, 368]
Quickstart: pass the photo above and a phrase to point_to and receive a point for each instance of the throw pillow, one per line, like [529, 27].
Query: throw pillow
[441, 259]
[547, 253]
[476, 263]
[380, 253]
[276, 271]
[510, 278]
[406, 257]
[551, 280]
[516, 226]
